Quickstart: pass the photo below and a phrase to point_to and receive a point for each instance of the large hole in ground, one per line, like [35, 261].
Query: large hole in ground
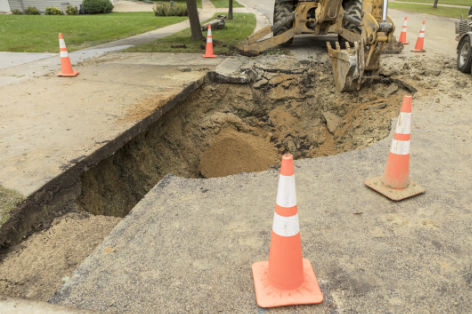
[223, 129]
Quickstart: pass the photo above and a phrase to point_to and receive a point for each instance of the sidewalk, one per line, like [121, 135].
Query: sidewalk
[47, 65]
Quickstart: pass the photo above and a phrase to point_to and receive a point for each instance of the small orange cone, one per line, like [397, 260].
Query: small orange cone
[66, 67]
[402, 38]
[209, 45]
[286, 278]
[420, 40]
[395, 183]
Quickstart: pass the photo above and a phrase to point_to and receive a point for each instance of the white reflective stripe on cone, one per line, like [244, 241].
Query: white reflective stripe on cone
[403, 123]
[286, 226]
[286, 195]
[400, 147]
[209, 40]
[64, 54]
[62, 43]
[421, 35]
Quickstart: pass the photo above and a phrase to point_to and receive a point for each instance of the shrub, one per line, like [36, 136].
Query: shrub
[16, 12]
[32, 11]
[71, 10]
[97, 6]
[170, 9]
[53, 11]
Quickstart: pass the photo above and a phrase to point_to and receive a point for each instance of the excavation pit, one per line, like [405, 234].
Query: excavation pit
[224, 129]
[220, 129]
[249, 126]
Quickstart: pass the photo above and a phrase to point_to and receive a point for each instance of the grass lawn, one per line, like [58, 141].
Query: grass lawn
[453, 2]
[38, 33]
[441, 11]
[225, 4]
[235, 30]
[199, 2]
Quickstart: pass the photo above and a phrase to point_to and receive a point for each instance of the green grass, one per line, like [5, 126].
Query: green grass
[9, 200]
[225, 4]
[453, 2]
[38, 33]
[235, 30]
[441, 11]
[199, 2]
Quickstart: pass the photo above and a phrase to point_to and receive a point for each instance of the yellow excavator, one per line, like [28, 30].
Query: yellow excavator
[362, 26]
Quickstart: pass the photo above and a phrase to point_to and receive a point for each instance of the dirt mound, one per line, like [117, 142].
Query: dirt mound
[233, 152]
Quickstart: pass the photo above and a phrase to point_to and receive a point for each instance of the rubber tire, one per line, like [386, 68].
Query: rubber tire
[354, 9]
[464, 61]
[282, 10]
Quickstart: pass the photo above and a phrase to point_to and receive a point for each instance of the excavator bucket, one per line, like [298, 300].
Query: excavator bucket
[255, 44]
[348, 65]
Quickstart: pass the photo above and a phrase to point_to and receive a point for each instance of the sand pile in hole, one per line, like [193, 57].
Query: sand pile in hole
[233, 152]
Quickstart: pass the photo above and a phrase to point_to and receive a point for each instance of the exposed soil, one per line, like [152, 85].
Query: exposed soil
[224, 129]
[35, 269]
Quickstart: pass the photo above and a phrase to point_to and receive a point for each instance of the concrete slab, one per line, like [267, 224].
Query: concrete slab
[52, 125]
[41, 130]
[9, 59]
[189, 244]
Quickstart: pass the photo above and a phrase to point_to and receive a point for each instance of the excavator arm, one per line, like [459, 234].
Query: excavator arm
[352, 64]
[253, 45]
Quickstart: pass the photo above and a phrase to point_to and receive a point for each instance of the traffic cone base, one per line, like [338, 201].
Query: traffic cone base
[208, 56]
[68, 74]
[411, 190]
[418, 50]
[268, 295]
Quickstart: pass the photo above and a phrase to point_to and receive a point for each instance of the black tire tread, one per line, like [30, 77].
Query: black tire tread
[354, 9]
[466, 67]
[283, 10]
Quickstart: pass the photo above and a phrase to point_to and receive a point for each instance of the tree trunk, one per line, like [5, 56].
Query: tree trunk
[194, 20]
[435, 4]
[230, 11]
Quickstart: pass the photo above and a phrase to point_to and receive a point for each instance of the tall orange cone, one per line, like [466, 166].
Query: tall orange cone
[209, 45]
[402, 38]
[66, 67]
[395, 183]
[286, 278]
[420, 40]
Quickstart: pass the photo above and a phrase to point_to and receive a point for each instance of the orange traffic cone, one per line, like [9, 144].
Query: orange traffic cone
[66, 67]
[209, 45]
[395, 183]
[287, 278]
[402, 38]
[420, 40]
